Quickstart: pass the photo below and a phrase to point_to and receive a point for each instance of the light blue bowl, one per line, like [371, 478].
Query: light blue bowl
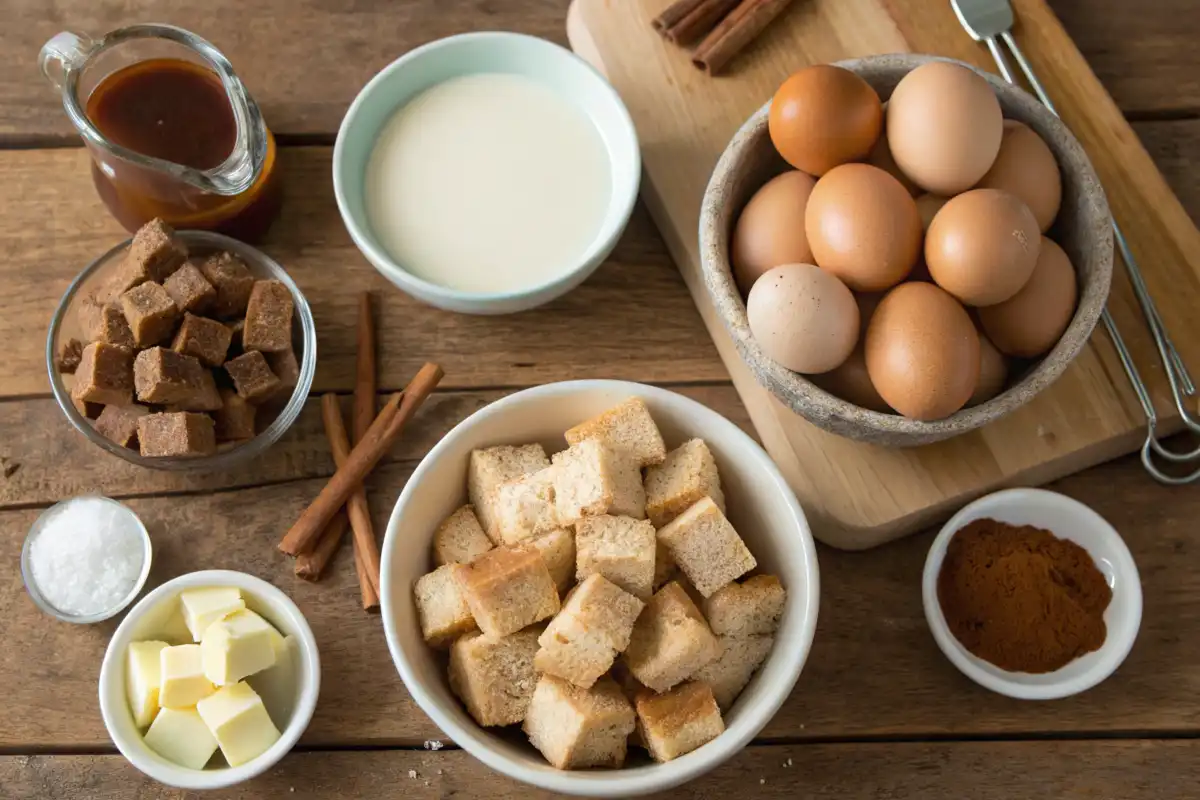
[467, 54]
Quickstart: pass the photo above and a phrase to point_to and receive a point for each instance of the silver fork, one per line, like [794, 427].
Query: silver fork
[990, 22]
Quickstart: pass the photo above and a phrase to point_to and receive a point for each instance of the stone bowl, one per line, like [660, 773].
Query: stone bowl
[1082, 229]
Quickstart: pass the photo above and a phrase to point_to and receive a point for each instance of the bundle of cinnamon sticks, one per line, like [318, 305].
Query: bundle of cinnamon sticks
[723, 27]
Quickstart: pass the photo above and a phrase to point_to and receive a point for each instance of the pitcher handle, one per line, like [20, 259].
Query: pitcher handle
[64, 53]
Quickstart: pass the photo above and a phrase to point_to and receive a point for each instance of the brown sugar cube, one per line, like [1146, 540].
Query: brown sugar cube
[740, 657]
[460, 538]
[150, 312]
[119, 424]
[670, 640]
[86, 409]
[104, 322]
[206, 339]
[190, 290]
[177, 433]
[268, 318]
[627, 427]
[688, 474]
[706, 547]
[507, 589]
[575, 727]
[69, 354]
[206, 397]
[679, 721]
[155, 251]
[235, 417]
[165, 377]
[233, 281]
[495, 678]
[105, 375]
[286, 368]
[252, 376]
[441, 607]
[235, 341]
[750, 608]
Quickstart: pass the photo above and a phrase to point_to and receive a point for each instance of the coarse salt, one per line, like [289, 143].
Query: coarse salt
[87, 555]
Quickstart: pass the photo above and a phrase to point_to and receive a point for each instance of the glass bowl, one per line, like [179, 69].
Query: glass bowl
[65, 325]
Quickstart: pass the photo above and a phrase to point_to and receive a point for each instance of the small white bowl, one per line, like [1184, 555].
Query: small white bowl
[1067, 519]
[153, 617]
[761, 507]
[466, 54]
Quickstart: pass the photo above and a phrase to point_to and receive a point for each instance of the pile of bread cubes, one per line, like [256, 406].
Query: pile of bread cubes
[181, 354]
[653, 637]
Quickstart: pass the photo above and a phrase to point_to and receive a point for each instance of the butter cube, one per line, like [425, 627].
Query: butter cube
[237, 717]
[143, 677]
[237, 646]
[203, 607]
[181, 737]
[183, 680]
[277, 685]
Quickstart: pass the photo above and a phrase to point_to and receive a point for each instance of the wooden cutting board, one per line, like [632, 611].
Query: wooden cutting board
[856, 495]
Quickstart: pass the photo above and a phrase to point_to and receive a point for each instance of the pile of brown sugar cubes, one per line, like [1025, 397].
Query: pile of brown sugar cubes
[181, 354]
[654, 637]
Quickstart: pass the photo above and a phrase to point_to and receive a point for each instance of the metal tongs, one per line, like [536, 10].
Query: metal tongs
[990, 22]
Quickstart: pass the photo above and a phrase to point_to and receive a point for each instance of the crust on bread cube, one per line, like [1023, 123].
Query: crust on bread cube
[441, 607]
[706, 547]
[670, 641]
[507, 589]
[591, 478]
[494, 677]
[621, 549]
[688, 474]
[731, 671]
[557, 549]
[575, 727]
[460, 538]
[524, 508]
[680, 721]
[628, 427]
[752, 607]
[491, 466]
[665, 568]
[582, 641]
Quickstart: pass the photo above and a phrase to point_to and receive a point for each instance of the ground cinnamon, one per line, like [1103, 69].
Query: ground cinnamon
[1020, 597]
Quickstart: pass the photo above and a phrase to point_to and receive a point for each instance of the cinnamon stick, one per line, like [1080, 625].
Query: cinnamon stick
[364, 414]
[735, 32]
[698, 21]
[362, 459]
[672, 14]
[310, 565]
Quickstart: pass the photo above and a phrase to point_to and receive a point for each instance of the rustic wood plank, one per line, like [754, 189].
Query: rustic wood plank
[54, 225]
[1164, 770]
[1174, 146]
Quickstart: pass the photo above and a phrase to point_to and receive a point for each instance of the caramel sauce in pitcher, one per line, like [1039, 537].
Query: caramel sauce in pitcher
[177, 111]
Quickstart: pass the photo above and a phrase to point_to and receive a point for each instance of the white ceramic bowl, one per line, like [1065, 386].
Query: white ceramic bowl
[761, 507]
[1066, 519]
[467, 54]
[152, 618]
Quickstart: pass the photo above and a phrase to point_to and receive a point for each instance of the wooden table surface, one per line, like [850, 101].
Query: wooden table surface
[878, 712]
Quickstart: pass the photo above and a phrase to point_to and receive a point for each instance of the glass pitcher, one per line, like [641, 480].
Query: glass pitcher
[172, 131]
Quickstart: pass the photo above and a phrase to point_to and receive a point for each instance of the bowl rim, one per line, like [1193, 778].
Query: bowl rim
[112, 666]
[586, 262]
[611, 783]
[1111, 654]
[251, 448]
[832, 413]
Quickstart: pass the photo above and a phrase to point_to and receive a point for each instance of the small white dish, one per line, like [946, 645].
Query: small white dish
[466, 54]
[1067, 519]
[154, 617]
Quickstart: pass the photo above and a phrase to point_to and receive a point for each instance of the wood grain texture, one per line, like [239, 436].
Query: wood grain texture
[865, 495]
[1164, 770]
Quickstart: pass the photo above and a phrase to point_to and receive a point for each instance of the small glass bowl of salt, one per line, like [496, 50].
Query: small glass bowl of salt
[85, 559]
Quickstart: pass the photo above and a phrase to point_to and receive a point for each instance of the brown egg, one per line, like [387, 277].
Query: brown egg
[881, 156]
[922, 352]
[993, 371]
[851, 382]
[1034, 319]
[927, 206]
[944, 127]
[982, 245]
[863, 227]
[803, 318]
[770, 230]
[1026, 168]
[823, 116]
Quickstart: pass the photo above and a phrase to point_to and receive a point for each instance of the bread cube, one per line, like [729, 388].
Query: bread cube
[749, 608]
[619, 548]
[664, 566]
[575, 728]
[706, 547]
[590, 478]
[670, 640]
[492, 466]
[190, 290]
[460, 538]
[443, 611]
[494, 677]
[688, 474]
[627, 427]
[104, 375]
[583, 640]
[507, 589]
[524, 508]
[731, 671]
[678, 722]
[557, 549]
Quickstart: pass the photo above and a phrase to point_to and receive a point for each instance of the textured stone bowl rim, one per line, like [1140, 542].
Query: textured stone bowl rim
[847, 419]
